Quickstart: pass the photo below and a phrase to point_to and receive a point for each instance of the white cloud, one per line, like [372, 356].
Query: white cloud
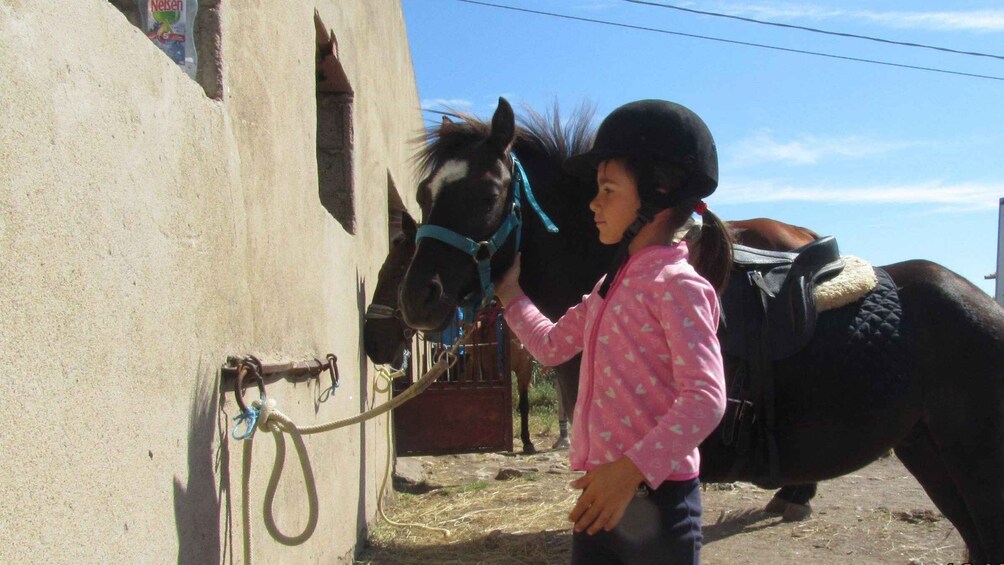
[762, 147]
[440, 103]
[956, 197]
[983, 20]
[975, 20]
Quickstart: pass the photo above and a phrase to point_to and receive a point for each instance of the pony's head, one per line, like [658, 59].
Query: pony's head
[385, 335]
[468, 201]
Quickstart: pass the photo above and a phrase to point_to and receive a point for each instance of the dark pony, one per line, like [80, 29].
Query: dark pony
[938, 400]
[475, 206]
[385, 335]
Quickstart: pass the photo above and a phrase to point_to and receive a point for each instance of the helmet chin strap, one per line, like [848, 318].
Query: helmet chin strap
[645, 215]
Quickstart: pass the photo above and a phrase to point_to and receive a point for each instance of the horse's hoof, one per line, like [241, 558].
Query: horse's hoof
[562, 443]
[529, 449]
[796, 512]
[777, 505]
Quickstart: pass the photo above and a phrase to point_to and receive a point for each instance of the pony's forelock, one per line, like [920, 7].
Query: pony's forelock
[547, 134]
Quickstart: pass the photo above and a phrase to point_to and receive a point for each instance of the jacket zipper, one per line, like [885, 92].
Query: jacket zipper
[592, 340]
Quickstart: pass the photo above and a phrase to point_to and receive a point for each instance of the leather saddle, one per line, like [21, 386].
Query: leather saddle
[768, 309]
[768, 314]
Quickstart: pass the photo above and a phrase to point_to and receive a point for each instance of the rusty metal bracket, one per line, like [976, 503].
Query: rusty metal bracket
[252, 366]
[267, 373]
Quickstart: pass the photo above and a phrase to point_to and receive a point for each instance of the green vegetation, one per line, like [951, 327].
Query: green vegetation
[473, 486]
[543, 396]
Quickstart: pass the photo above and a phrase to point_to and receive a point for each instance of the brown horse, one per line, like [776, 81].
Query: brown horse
[930, 385]
[765, 233]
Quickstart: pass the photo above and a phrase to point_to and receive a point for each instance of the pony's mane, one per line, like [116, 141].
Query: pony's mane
[547, 135]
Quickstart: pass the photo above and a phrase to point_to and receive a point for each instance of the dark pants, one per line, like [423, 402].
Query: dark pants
[664, 526]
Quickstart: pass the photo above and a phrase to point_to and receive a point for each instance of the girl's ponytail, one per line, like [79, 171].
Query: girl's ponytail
[711, 253]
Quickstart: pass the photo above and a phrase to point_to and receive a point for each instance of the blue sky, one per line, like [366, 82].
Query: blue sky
[896, 163]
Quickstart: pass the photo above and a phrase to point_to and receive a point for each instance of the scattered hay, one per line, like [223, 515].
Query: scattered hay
[523, 519]
[516, 520]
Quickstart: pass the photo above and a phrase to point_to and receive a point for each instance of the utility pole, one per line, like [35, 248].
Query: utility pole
[999, 294]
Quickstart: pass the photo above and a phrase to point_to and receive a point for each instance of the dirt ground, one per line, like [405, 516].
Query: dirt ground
[511, 508]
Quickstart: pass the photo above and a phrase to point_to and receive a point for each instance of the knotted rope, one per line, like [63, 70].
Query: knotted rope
[264, 416]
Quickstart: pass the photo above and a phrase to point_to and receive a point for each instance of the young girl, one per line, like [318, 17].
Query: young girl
[651, 384]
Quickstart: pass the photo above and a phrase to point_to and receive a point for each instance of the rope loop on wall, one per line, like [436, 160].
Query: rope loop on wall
[267, 418]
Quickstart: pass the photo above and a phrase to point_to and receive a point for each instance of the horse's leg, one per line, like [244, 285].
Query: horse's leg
[522, 364]
[568, 381]
[567, 375]
[524, 425]
[562, 441]
[972, 450]
[792, 502]
[920, 456]
[960, 344]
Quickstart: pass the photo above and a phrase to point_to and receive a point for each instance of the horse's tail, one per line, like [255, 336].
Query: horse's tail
[714, 260]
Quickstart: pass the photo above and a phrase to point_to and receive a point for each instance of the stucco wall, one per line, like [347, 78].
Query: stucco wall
[146, 233]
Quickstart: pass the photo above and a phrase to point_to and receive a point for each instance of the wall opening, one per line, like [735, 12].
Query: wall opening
[395, 210]
[334, 131]
[207, 41]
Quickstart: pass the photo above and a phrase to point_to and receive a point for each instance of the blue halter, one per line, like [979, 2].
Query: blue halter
[483, 251]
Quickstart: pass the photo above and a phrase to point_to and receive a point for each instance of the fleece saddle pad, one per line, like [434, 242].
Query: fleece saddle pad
[853, 282]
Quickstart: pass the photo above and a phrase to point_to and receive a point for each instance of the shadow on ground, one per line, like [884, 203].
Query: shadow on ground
[742, 522]
[496, 547]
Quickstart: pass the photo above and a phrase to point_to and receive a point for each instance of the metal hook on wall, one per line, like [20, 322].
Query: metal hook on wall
[236, 370]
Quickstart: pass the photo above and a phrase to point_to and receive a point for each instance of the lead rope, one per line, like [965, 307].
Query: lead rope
[383, 383]
[272, 420]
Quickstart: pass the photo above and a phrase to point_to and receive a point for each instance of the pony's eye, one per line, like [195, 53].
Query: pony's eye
[487, 198]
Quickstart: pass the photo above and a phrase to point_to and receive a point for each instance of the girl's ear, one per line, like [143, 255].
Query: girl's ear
[666, 214]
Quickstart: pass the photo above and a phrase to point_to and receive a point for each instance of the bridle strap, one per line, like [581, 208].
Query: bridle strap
[483, 251]
[380, 312]
[522, 184]
[383, 312]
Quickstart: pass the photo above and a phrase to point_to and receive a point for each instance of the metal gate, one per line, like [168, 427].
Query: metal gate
[468, 409]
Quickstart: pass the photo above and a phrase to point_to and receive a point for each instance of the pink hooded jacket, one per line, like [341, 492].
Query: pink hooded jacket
[651, 383]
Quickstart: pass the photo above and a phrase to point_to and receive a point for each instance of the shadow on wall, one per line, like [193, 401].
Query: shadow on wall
[197, 503]
[361, 527]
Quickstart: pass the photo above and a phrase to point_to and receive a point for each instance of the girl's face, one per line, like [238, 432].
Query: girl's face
[616, 203]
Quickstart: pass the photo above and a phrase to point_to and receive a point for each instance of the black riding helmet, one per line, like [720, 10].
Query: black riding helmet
[655, 131]
[649, 133]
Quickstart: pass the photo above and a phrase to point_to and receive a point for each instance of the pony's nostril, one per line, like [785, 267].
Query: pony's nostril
[433, 291]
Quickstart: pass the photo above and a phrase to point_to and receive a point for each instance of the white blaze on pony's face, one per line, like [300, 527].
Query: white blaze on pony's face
[451, 171]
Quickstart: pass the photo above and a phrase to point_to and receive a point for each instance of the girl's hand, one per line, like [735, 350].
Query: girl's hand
[508, 288]
[607, 491]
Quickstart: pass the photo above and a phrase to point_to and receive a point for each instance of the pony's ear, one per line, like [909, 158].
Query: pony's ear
[408, 226]
[503, 127]
[447, 121]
